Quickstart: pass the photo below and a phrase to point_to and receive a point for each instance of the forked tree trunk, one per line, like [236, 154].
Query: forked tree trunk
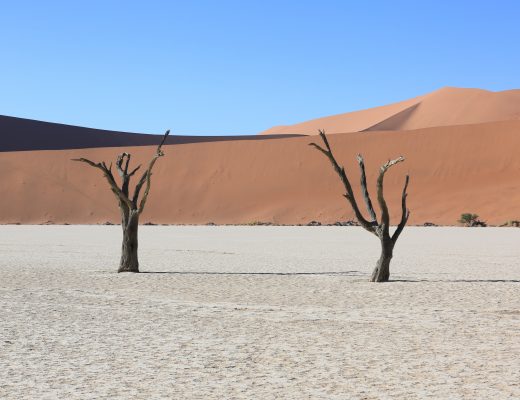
[380, 228]
[129, 206]
[129, 260]
[381, 272]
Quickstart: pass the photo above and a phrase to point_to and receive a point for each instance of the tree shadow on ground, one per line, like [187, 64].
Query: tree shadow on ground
[342, 273]
[457, 280]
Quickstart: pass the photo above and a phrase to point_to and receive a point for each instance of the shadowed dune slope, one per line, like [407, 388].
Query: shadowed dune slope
[455, 169]
[445, 107]
[18, 134]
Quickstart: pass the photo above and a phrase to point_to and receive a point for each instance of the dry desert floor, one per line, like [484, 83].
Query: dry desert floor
[259, 313]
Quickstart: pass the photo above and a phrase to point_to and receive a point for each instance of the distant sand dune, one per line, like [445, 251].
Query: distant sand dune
[444, 107]
[356, 121]
[461, 148]
[455, 169]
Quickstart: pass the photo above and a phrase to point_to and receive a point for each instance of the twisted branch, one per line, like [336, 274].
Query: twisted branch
[349, 195]
[385, 217]
[405, 212]
[122, 164]
[380, 229]
[364, 188]
[146, 177]
[107, 173]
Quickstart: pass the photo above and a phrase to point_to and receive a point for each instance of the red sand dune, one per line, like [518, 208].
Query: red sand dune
[454, 169]
[460, 147]
[444, 107]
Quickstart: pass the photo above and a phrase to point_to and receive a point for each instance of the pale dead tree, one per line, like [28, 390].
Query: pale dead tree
[129, 205]
[379, 228]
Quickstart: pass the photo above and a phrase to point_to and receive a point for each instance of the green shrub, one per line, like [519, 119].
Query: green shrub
[469, 219]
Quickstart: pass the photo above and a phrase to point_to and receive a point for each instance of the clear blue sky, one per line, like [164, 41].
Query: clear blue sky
[238, 67]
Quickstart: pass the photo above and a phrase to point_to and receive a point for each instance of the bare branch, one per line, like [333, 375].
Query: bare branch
[138, 187]
[349, 195]
[134, 171]
[391, 163]
[127, 162]
[91, 163]
[385, 217]
[405, 212]
[109, 177]
[319, 148]
[364, 188]
[146, 177]
[163, 140]
[123, 158]
[119, 164]
[146, 191]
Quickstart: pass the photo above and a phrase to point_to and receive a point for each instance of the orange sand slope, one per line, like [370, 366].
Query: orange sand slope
[454, 169]
[444, 107]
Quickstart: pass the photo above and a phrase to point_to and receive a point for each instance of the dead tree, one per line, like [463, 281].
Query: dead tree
[130, 206]
[380, 228]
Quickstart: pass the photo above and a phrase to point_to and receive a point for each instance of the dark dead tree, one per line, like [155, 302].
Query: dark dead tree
[380, 228]
[130, 206]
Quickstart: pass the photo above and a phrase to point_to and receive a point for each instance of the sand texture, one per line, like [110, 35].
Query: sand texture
[259, 313]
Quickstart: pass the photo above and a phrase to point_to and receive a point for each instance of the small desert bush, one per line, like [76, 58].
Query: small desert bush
[469, 219]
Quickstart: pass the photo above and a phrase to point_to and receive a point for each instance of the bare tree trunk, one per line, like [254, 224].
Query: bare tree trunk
[130, 207]
[381, 272]
[380, 228]
[129, 260]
